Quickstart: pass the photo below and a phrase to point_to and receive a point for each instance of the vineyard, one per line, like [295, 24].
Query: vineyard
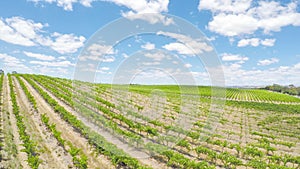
[49, 122]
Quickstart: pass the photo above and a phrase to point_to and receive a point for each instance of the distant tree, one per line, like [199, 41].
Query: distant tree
[290, 89]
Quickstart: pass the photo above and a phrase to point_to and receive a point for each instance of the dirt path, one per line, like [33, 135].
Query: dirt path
[9, 149]
[141, 156]
[20, 159]
[2, 152]
[53, 156]
[94, 161]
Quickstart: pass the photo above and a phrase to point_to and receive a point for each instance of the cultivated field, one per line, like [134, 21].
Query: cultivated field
[50, 122]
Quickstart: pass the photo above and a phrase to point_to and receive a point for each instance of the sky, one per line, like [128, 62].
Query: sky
[255, 42]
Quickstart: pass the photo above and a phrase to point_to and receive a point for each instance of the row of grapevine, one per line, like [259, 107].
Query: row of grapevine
[108, 111]
[1, 109]
[118, 157]
[222, 152]
[79, 159]
[182, 143]
[259, 95]
[29, 145]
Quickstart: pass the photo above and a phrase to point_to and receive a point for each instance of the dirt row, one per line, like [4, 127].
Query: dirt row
[52, 155]
[69, 134]
[238, 115]
[132, 151]
[13, 156]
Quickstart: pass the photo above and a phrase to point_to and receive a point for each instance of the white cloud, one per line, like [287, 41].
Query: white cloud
[25, 32]
[180, 48]
[233, 24]
[151, 63]
[9, 59]
[39, 56]
[235, 6]
[62, 58]
[152, 18]
[148, 46]
[188, 65]
[280, 75]
[53, 64]
[97, 52]
[256, 42]
[235, 18]
[8, 34]
[26, 28]
[104, 68]
[233, 57]
[266, 62]
[136, 8]
[268, 42]
[11, 63]
[144, 6]
[66, 4]
[125, 55]
[66, 43]
[246, 42]
[213, 38]
[187, 45]
[158, 56]
[140, 7]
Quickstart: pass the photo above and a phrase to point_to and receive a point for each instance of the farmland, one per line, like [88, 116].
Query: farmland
[49, 122]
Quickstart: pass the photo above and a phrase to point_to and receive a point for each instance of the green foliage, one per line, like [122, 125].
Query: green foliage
[30, 147]
[225, 153]
[117, 156]
[291, 89]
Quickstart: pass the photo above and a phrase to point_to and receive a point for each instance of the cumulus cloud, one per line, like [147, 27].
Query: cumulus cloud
[52, 64]
[280, 75]
[136, 8]
[66, 43]
[39, 56]
[148, 46]
[104, 68]
[10, 35]
[187, 65]
[151, 63]
[98, 52]
[233, 24]
[234, 6]
[235, 18]
[26, 32]
[268, 42]
[187, 45]
[11, 63]
[66, 4]
[180, 48]
[233, 57]
[157, 56]
[266, 62]
[256, 42]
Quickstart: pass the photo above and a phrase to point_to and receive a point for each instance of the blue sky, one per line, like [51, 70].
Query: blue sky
[256, 41]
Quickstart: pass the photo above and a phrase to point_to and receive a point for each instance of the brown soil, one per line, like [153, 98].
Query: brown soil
[52, 156]
[94, 161]
[21, 157]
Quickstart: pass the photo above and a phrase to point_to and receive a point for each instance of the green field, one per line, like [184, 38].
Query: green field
[176, 127]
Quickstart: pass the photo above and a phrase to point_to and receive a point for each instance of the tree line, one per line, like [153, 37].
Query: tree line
[290, 89]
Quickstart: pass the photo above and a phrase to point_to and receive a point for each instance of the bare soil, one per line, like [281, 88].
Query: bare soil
[52, 155]
[20, 160]
[94, 160]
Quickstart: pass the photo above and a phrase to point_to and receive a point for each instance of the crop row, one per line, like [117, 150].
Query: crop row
[117, 156]
[79, 159]
[228, 158]
[30, 147]
[184, 160]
